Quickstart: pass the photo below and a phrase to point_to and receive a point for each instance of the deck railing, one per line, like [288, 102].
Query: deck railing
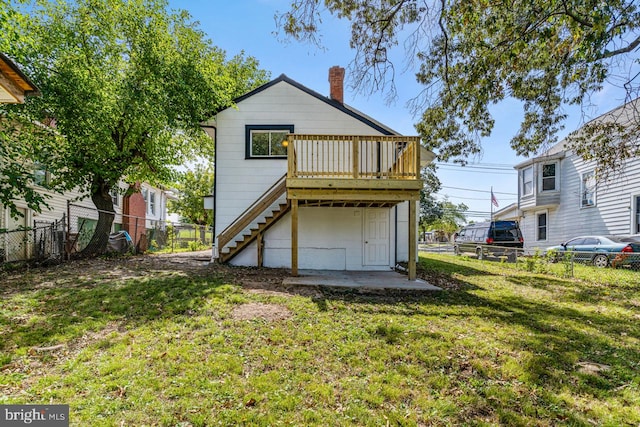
[353, 157]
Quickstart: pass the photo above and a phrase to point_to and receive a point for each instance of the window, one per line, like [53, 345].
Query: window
[588, 189]
[575, 242]
[115, 197]
[527, 181]
[151, 203]
[40, 175]
[541, 223]
[267, 140]
[549, 177]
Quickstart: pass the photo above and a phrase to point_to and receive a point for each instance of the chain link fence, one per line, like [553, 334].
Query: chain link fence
[560, 263]
[73, 236]
[145, 234]
[44, 241]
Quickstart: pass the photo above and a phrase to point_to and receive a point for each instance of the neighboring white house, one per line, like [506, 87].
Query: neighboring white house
[560, 197]
[81, 215]
[283, 127]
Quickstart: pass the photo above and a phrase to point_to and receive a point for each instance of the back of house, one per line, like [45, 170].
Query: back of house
[316, 167]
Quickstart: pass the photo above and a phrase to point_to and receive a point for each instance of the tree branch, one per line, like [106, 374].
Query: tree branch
[446, 44]
[631, 46]
[575, 17]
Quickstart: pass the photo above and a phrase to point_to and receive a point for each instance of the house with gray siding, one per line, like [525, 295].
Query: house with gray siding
[561, 197]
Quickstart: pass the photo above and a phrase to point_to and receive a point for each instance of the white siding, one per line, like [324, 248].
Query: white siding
[329, 238]
[612, 213]
[82, 207]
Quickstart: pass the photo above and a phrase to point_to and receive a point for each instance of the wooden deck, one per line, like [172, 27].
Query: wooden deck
[352, 170]
[333, 171]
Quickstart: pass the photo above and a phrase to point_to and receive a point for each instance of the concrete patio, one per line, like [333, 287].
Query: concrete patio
[358, 279]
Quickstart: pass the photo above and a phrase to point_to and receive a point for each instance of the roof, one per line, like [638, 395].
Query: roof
[624, 114]
[358, 115]
[14, 85]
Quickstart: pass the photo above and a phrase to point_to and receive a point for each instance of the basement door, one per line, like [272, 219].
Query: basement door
[376, 237]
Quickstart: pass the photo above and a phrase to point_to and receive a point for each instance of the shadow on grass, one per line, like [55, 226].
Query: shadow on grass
[69, 312]
[552, 335]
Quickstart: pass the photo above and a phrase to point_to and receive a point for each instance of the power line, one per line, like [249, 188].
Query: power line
[477, 166]
[472, 198]
[480, 191]
[477, 171]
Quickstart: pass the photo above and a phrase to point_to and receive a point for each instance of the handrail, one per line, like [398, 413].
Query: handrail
[353, 156]
[252, 212]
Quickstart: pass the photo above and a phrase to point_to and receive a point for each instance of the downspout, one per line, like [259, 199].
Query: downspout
[215, 185]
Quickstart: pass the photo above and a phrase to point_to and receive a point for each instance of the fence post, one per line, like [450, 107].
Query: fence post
[64, 236]
[135, 236]
[67, 248]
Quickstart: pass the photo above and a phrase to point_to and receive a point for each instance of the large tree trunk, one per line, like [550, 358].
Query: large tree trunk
[102, 199]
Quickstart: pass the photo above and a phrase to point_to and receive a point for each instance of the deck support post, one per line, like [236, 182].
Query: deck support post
[260, 245]
[413, 243]
[294, 237]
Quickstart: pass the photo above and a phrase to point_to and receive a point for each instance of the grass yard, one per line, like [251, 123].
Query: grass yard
[159, 341]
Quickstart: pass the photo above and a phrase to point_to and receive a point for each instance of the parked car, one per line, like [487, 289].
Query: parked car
[495, 238]
[600, 251]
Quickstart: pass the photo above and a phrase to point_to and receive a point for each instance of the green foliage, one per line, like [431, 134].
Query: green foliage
[470, 55]
[128, 84]
[436, 214]
[24, 147]
[443, 215]
[196, 245]
[192, 186]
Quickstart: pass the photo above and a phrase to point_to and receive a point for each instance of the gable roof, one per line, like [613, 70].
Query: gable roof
[358, 115]
[14, 85]
[623, 114]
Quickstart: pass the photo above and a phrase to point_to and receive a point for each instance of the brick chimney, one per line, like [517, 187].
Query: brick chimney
[336, 83]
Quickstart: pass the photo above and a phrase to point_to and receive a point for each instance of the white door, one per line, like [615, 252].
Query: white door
[376, 237]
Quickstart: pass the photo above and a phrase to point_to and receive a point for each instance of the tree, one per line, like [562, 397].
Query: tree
[128, 84]
[24, 146]
[471, 54]
[192, 186]
[445, 216]
[23, 143]
[429, 208]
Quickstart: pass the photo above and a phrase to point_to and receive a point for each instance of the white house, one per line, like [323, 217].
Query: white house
[560, 196]
[304, 180]
[80, 213]
[138, 214]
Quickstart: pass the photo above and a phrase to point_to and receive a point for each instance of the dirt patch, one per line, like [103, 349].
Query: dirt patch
[268, 312]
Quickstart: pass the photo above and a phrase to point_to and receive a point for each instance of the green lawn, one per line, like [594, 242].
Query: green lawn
[148, 344]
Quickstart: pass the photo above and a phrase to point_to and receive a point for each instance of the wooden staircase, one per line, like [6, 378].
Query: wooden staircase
[253, 222]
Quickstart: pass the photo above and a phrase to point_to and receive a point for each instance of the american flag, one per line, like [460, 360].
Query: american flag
[494, 201]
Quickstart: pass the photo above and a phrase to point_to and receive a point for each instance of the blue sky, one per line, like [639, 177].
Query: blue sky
[249, 26]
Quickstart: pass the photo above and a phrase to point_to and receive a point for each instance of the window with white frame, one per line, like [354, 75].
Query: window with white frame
[541, 226]
[549, 176]
[115, 197]
[151, 203]
[527, 181]
[588, 189]
[265, 141]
